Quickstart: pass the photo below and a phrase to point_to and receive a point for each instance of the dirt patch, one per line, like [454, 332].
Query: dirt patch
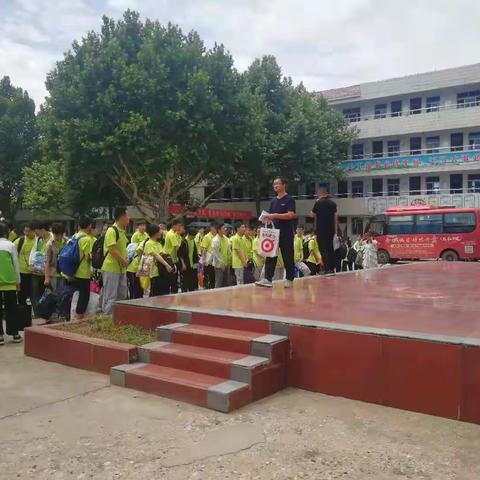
[102, 326]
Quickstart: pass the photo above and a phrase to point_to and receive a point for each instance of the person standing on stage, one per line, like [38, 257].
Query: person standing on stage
[326, 220]
[282, 214]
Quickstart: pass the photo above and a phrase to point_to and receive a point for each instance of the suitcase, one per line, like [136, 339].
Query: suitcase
[24, 317]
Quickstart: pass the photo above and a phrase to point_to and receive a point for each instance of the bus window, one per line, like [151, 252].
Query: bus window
[429, 223]
[377, 225]
[400, 224]
[459, 222]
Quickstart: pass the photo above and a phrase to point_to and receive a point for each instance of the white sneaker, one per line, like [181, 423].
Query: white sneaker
[264, 283]
[288, 284]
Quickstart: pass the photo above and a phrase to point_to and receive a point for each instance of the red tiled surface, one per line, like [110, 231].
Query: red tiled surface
[196, 359]
[470, 408]
[268, 380]
[240, 398]
[336, 363]
[237, 323]
[212, 337]
[429, 297]
[422, 376]
[105, 357]
[172, 383]
[148, 318]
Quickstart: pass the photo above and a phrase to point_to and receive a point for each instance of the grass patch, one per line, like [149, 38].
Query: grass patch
[102, 326]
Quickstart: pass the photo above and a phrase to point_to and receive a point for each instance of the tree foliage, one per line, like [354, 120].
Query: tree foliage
[18, 140]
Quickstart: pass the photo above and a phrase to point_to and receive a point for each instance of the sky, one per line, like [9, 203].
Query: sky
[322, 43]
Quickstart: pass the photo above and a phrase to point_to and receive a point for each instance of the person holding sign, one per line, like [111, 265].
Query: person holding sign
[282, 214]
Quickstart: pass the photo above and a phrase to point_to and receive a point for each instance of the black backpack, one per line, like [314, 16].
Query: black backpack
[98, 256]
[306, 250]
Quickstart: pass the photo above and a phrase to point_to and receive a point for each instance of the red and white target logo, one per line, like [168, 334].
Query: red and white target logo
[267, 245]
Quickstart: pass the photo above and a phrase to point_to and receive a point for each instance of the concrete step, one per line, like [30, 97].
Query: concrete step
[183, 385]
[273, 347]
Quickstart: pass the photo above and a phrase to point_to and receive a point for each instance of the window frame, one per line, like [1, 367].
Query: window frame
[413, 110]
[352, 114]
[430, 188]
[393, 182]
[430, 149]
[360, 193]
[393, 148]
[456, 148]
[380, 110]
[375, 191]
[418, 150]
[432, 103]
[396, 107]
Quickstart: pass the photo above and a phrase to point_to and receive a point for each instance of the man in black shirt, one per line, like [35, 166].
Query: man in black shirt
[282, 214]
[325, 213]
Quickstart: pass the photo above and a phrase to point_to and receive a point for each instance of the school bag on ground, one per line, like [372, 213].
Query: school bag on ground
[69, 257]
[98, 256]
[23, 317]
[65, 302]
[47, 305]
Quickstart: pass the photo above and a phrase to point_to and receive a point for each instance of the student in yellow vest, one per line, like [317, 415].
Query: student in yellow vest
[159, 283]
[198, 238]
[314, 260]
[298, 252]
[135, 290]
[37, 262]
[9, 284]
[221, 257]
[81, 279]
[24, 246]
[279, 267]
[239, 254]
[140, 233]
[258, 260]
[173, 240]
[114, 268]
[188, 256]
[206, 254]
[12, 236]
[53, 279]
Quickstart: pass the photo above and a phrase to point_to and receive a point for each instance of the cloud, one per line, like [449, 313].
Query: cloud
[324, 43]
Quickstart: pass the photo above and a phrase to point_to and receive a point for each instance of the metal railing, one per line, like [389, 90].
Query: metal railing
[406, 113]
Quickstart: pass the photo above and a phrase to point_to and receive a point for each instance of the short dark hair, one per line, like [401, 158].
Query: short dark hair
[42, 225]
[218, 225]
[30, 225]
[301, 226]
[282, 179]
[141, 222]
[119, 212]
[309, 230]
[84, 221]
[175, 221]
[4, 229]
[58, 228]
[152, 229]
[191, 231]
[323, 189]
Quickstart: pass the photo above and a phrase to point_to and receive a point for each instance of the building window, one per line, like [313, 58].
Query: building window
[433, 185]
[433, 104]
[415, 105]
[432, 144]
[456, 183]
[357, 150]
[468, 99]
[415, 185]
[377, 149]
[342, 189]
[396, 108]
[456, 142]
[357, 188]
[393, 187]
[474, 183]
[357, 226]
[352, 114]
[377, 187]
[415, 145]
[393, 148]
[474, 140]
[381, 110]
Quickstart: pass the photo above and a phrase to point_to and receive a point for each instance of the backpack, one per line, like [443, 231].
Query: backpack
[351, 255]
[69, 257]
[305, 249]
[36, 259]
[98, 256]
[20, 244]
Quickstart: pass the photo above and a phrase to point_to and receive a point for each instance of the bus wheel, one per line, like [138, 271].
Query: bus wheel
[383, 257]
[449, 256]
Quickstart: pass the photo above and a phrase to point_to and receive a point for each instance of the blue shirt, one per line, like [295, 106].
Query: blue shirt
[284, 205]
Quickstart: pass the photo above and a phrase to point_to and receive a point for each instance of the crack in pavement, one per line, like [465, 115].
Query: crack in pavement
[54, 402]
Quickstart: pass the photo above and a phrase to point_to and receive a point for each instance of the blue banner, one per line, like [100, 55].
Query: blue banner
[412, 161]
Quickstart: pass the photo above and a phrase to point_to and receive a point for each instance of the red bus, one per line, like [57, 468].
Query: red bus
[427, 232]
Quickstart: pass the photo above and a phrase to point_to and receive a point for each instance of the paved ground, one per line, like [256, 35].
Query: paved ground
[62, 423]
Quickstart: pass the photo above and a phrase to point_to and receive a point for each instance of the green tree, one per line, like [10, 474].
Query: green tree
[147, 109]
[18, 140]
[300, 136]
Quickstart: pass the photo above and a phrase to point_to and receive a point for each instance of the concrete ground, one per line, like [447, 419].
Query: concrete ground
[58, 422]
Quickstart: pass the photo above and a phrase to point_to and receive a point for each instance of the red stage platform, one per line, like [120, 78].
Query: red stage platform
[405, 336]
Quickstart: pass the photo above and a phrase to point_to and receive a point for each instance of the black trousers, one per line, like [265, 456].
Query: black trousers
[8, 299]
[325, 245]
[83, 287]
[25, 288]
[313, 267]
[286, 248]
[189, 280]
[209, 277]
[134, 288]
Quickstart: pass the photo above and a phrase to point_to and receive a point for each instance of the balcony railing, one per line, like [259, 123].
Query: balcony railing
[398, 162]
[406, 113]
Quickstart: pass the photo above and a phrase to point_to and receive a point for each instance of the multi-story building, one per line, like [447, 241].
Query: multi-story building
[418, 142]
